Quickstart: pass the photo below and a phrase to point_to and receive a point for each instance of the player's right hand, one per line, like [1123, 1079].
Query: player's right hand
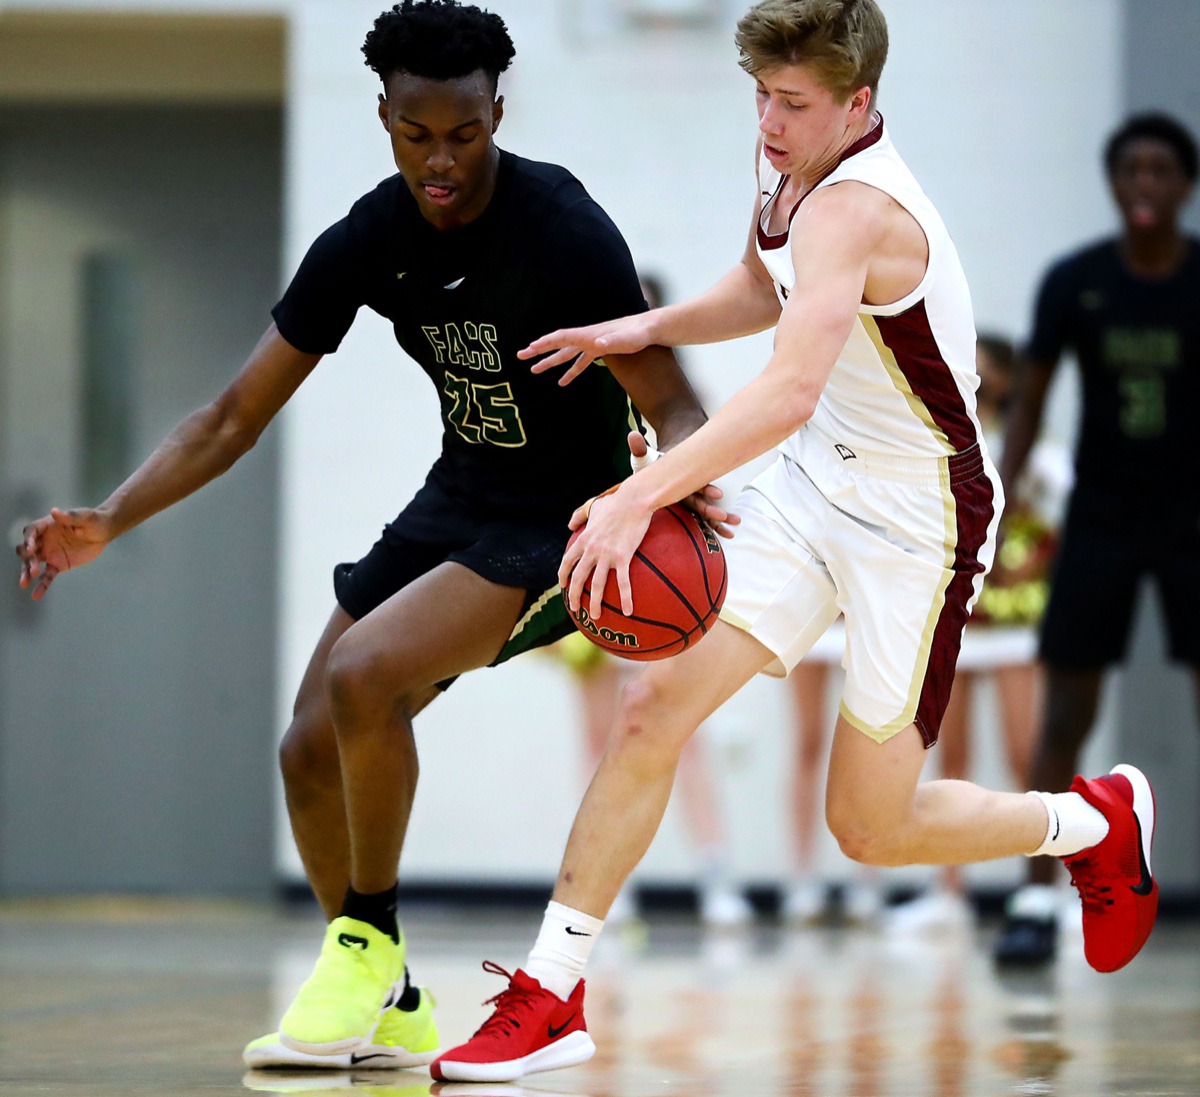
[64, 539]
[627, 335]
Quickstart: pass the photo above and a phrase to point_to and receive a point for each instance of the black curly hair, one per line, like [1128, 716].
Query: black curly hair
[1156, 127]
[438, 39]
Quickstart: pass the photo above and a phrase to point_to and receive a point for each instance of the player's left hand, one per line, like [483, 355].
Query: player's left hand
[626, 335]
[616, 524]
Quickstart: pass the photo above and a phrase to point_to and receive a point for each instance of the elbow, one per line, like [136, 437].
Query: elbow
[234, 432]
[796, 409]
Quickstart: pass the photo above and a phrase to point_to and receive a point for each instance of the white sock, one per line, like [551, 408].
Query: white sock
[562, 948]
[1074, 825]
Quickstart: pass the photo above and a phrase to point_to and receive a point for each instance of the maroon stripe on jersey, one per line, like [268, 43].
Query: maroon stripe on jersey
[768, 242]
[910, 338]
[974, 506]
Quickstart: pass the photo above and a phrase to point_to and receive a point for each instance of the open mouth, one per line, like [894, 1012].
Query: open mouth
[1143, 214]
[439, 193]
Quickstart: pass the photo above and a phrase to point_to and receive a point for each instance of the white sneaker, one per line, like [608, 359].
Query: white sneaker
[724, 907]
[933, 912]
[861, 903]
[805, 902]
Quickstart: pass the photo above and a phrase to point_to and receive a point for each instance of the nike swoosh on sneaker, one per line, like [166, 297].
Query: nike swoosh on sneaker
[577, 932]
[356, 1059]
[555, 1033]
[1146, 884]
[348, 940]
[455, 285]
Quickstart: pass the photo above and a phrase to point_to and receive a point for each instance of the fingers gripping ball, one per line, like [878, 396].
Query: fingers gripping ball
[678, 577]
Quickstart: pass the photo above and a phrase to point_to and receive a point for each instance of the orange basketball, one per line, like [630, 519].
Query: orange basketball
[678, 578]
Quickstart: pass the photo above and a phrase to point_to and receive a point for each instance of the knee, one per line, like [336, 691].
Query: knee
[865, 840]
[361, 689]
[645, 735]
[308, 753]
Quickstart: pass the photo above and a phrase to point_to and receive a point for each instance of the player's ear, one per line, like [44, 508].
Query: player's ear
[497, 112]
[383, 112]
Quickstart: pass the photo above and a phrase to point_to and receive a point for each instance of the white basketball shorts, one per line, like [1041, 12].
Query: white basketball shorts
[898, 545]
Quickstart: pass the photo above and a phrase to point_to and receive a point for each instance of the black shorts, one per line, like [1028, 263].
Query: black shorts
[1109, 544]
[435, 528]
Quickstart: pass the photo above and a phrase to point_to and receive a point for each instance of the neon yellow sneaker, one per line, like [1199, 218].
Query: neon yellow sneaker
[359, 975]
[404, 1038]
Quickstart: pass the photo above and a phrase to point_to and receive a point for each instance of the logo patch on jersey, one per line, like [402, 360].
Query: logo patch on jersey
[457, 283]
[845, 452]
[400, 274]
[469, 344]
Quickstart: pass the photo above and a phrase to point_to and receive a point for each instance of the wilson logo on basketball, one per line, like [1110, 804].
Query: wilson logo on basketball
[711, 542]
[622, 639]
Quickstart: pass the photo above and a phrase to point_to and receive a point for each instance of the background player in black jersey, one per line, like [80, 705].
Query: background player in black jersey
[1128, 308]
[470, 252]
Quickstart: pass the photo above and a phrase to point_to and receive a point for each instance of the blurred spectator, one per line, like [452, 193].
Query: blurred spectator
[1126, 307]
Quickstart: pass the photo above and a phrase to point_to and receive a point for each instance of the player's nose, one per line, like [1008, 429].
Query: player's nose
[441, 159]
[768, 121]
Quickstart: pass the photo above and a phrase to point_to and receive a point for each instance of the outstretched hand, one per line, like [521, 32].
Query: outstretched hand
[64, 539]
[627, 335]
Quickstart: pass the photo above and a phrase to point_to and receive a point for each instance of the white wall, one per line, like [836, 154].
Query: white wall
[1000, 110]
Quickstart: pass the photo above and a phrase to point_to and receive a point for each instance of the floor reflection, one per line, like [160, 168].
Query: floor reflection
[163, 1006]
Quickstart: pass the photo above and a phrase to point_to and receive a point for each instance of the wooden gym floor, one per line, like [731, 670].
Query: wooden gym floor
[112, 998]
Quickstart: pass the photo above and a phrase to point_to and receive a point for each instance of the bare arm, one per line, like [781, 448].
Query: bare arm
[834, 237]
[660, 391]
[743, 302]
[203, 446]
[1032, 385]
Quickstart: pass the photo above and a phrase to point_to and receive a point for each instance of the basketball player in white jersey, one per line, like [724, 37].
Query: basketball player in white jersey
[882, 505]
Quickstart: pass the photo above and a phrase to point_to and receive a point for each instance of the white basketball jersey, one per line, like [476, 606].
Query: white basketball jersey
[904, 384]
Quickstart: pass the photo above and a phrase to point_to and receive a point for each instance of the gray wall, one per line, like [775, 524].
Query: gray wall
[136, 701]
[1158, 725]
[1162, 70]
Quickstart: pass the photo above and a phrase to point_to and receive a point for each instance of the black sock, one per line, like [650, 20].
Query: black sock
[411, 998]
[377, 909]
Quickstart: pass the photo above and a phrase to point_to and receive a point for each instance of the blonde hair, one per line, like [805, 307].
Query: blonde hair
[844, 41]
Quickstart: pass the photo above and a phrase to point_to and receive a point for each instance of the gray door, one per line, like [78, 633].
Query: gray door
[139, 258]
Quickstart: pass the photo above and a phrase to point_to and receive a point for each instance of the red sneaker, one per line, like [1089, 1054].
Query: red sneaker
[529, 1030]
[1120, 897]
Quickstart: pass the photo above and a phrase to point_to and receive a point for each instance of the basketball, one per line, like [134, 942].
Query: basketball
[678, 578]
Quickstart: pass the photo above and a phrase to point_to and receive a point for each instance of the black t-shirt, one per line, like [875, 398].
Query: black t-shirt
[462, 302]
[1138, 345]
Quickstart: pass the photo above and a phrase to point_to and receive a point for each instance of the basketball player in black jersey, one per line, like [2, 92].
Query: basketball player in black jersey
[471, 252]
[1129, 309]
